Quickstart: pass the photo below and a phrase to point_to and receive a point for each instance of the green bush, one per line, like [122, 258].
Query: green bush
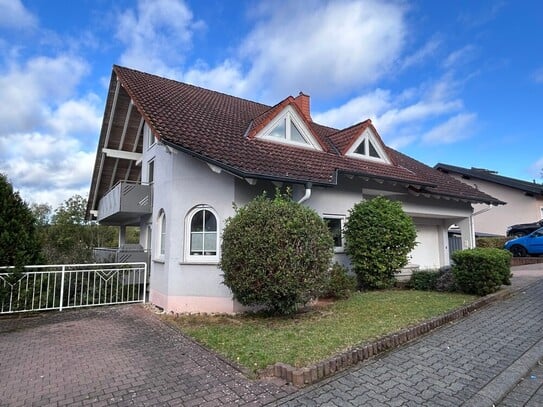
[378, 238]
[340, 283]
[433, 280]
[481, 271]
[424, 280]
[276, 254]
[446, 282]
[495, 242]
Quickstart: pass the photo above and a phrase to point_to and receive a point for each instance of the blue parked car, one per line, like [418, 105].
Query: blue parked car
[531, 244]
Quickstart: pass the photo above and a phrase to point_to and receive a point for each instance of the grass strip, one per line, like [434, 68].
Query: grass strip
[256, 341]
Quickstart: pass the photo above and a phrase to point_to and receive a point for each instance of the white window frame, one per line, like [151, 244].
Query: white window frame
[148, 136]
[337, 249]
[192, 258]
[160, 243]
[151, 164]
[367, 136]
[289, 115]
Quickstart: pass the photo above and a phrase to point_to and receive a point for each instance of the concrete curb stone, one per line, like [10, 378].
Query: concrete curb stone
[301, 377]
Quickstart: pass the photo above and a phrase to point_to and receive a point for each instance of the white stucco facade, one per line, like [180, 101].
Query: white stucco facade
[181, 183]
[519, 208]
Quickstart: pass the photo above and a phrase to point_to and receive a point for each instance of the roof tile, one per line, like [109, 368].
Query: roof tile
[220, 128]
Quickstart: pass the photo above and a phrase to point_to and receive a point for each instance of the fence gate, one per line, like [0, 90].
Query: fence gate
[40, 288]
[455, 243]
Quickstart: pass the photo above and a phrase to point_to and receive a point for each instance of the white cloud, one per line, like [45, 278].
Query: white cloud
[538, 76]
[459, 56]
[43, 126]
[45, 165]
[416, 112]
[456, 128]
[27, 97]
[360, 108]
[226, 77]
[484, 15]
[14, 15]
[80, 116]
[336, 47]
[422, 54]
[536, 170]
[156, 36]
[391, 112]
[402, 141]
[332, 50]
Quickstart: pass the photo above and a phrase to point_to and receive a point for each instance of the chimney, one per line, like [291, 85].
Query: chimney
[302, 101]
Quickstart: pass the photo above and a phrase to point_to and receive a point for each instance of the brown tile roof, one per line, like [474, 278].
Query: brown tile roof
[214, 127]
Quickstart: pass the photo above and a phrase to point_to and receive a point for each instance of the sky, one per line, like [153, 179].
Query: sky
[457, 82]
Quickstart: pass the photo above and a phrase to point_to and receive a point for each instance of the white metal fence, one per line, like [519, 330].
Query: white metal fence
[40, 288]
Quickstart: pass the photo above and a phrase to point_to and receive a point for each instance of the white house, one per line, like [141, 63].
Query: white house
[173, 159]
[524, 199]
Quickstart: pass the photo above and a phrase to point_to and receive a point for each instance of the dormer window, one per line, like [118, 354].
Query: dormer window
[289, 128]
[367, 147]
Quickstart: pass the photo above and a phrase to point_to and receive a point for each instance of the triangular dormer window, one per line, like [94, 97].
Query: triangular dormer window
[367, 147]
[289, 128]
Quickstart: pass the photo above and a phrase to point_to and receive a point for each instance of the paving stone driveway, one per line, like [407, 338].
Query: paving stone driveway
[126, 356]
[115, 356]
[446, 368]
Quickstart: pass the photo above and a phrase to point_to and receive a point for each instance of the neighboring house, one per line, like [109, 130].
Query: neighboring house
[524, 200]
[173, 159]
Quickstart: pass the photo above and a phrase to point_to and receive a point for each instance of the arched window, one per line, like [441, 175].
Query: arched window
[202, 234]
[161, 229]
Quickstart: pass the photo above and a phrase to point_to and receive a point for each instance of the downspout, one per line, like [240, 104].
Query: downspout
[307, 194]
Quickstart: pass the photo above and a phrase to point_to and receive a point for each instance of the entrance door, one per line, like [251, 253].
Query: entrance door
[426, 253]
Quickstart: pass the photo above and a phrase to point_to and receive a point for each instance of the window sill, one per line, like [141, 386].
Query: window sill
[161, 261]
[199, 263]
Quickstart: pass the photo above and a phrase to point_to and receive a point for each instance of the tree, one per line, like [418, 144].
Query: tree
[66, 235]
[19, 241]
[276, 254]
[378, 238]
[42, 213]
[70, 238]
[71, 212]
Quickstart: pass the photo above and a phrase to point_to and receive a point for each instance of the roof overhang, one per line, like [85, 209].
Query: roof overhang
[456, 198]
[120, 145]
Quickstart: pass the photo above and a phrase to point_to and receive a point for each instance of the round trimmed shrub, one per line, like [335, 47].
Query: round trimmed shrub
[481, 271]
[276, 254]
[378, 237]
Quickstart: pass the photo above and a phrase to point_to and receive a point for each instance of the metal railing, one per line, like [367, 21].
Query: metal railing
[44, 287]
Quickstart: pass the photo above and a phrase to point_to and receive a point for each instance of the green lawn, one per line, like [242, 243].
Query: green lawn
[256, 341]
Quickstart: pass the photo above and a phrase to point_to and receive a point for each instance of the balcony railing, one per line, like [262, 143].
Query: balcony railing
[125, 254]
[125, 203]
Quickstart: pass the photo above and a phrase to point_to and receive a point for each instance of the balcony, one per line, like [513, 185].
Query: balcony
[125, 204]
[128, 253]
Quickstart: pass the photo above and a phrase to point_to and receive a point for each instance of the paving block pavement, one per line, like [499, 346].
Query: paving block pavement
[449, 367]
[122, 356]
[529, 390]
[126, 356]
